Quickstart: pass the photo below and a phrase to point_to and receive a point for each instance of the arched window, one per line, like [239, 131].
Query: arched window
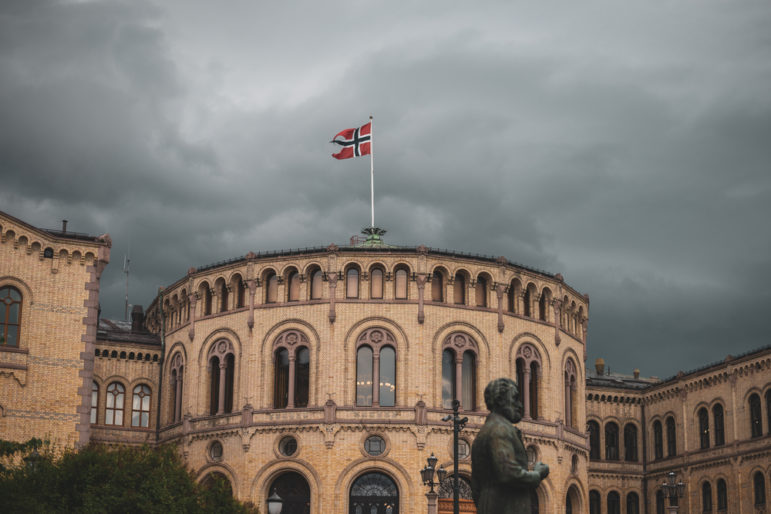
[544, 301]
[293, 279]
[271, 287]
[352, 282]
[94, 401]
[221, 377]
[658, 442]
[722, 495]
[671, 437]
[177, 369]
[706, 497]
[594, 440]
[10, 316]
[239, 289]
[459, 368]
[528, 378]
[140, 407]
[376, 368]
[630, 443]
[571, 389]
[459, 288]
[294, 492]
[113, 413]
[400, 284]
[703, 428]
[595, 502]
[515, 290]
[528, 300]
[481, 291]
[437, 286]
[316, 284]
[464, 488]
[205, 293]
[611, 441]
[632, 503]
[374, 492]
[759, 486]
[222, 290]
[291, 370]
[660, 506]
[717, 421]
[376, 283]
[614, 503]
[756, 424]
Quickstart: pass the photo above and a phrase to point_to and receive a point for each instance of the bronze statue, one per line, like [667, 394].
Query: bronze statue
[500, 481]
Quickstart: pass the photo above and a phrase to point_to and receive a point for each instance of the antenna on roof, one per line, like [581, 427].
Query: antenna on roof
[126, 270]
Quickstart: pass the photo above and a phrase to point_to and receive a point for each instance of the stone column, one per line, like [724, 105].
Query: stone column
[252, 284]
[421, 282]
[290, 400]
[376, 377]
[499, 290]
[459, 379]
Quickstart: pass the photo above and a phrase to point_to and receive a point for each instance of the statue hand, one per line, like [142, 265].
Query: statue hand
[542, 469]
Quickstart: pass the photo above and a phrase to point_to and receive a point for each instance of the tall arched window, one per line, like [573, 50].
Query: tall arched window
[658, 441]
[113, 413]
[480, 290]
[611, 441]
[571, 389]
[759, 486]
[374, 492]
[239, 290]
[316, 284]
[376, 368]
[204, 293]
[459, 288]
[717, 421]
[632, 503]
[528, 361]
[515, 290]
[271, 287]
[630, 443]
[352, 282]
[459, 369]
[222, 291]
[291, 370]
[437, 286]
[595, 502]
[722, 495]
[528, 300]
[671, 437]
[10, 316]
[401, 278]
[594, 440]
[376, 283]
[660, 506]
[544, 301]
[221, 377]
[94, 401]
[293, 279]
[614, 503]
[756, 423]
[140, 406]
[706, 497]
[703, 428]
[177, 372]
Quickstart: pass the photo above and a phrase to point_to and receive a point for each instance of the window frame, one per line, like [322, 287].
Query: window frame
[7, 304]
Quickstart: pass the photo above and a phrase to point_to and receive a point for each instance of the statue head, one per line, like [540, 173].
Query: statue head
[502, 397]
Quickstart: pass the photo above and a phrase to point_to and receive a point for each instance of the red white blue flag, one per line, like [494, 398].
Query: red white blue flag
[355, 142]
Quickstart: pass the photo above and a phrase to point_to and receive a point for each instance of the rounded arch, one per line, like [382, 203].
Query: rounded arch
[401, 265]
[576, 492]
[529, 338]
[388, 467]
[219, 467]
[267, 352]
[26, 292]
[311, 266]
[215, 336]
[267, 474]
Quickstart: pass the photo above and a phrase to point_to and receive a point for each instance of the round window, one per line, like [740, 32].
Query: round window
[288, 446]
[215, 451]
[374, 445]
[464, 450]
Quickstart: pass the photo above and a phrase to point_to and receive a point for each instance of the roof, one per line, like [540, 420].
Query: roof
[119, 330]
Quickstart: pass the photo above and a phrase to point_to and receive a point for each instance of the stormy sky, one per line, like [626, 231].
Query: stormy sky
[626, 145]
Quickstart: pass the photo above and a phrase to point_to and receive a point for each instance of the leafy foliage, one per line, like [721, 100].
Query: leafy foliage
[112, 480]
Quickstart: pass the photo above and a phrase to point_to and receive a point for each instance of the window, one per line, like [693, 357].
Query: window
[375, 493]
[528, 300]
[287, 446]
[204, 292]
[291, 370]
[544, 301]
[222, 289]
[756, 425]
[528, 378]
[611, 441]
[437, 287]
[94, 401]
[595, 502]
[706, 497]
[630, 443]
[316, 284]
[295, 492]
[717, 420]
[594, 440]
[374, 445]
[459, 288]
[464, 449]
[671, 437]
[177, 369]
[632, 503]
[614, 503]
[221, 377]
[240, 290]
[271, 287]
[400, 284]
[215, 451]
[571, 389]
[113, 413]
[515, 289]
[703, 428]
[722, 495]
[140, 407]
[376, 369]
[660, 507]
[759, 486]
[294, 286]
[10, 316]
[459, 369]
[376, 283]
[352, 282]
[481, 292]
[658, 450]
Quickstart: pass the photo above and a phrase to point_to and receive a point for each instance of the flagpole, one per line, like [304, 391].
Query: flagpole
[371, 172]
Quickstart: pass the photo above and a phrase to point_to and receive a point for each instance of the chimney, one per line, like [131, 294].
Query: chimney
[636, 373]
[137, 318]
[599, 366]
[64, 226]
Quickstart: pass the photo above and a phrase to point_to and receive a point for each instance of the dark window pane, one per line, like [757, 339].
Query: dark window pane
[448, 378]
[755, 417]
[437, 287]
[364, 376]
[481, 292]
[387, 377]
[468, 401]
[281, 379]
[671, 437]
[717, 419]
[460, 289]
[302, 377]
[703, 428]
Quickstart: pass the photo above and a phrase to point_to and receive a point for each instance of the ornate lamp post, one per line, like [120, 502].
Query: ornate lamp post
[457, 425]
[275, 503]
[427, 475]
[673, 491]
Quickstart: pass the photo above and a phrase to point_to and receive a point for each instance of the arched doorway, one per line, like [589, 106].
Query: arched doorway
[572, 501]
[294, 490]
[465, 499]
[373, 493]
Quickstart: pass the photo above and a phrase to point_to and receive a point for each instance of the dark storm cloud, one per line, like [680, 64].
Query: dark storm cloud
[624, 147]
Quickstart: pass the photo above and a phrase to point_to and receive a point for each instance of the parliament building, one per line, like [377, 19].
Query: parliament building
[324, 375]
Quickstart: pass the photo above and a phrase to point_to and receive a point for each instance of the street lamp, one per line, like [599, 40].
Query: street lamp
[427, 475]
[457, 425]
[673, 490]
[275, 503]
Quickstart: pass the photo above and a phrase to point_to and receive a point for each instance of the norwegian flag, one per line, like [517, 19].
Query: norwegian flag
[355, 142]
